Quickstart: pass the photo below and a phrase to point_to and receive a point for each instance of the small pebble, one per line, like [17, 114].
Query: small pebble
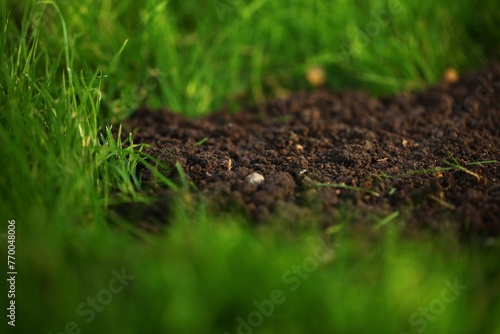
[254, 178]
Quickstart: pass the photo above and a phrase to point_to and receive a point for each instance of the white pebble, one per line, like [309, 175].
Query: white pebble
[254, 178]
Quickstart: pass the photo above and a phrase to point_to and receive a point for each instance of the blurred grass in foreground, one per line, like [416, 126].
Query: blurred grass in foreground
[206, 277]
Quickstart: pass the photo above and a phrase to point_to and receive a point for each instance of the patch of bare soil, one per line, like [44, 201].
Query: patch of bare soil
[423, 154]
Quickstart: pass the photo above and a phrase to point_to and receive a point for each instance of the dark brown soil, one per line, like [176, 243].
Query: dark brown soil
[347, 138]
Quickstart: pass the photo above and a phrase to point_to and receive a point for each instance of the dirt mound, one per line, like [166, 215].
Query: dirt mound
[427, 155]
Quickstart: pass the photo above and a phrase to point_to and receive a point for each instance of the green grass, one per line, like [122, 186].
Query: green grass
[69, 69]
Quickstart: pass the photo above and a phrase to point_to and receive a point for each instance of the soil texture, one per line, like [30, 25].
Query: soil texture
[427, 155]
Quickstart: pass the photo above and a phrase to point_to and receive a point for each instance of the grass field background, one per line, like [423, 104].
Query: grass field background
[70, 69]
